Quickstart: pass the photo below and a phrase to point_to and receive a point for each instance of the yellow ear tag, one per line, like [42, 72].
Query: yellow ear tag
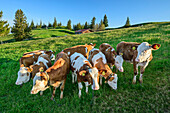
[157, 47]
[103, 73]
[83, 74]
[42, 70]
[121, 53]
[133, 48]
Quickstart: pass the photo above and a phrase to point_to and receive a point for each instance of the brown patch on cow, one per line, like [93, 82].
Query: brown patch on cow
[76, 58]
[22, 65]
[28, 55]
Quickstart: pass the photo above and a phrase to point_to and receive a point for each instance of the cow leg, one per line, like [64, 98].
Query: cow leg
[41, 93]
[73, 77]
[62, 88]
[135, 66]
[80, 86]
[53, 95]
[86, 84]
[101, 80]
[142, 69]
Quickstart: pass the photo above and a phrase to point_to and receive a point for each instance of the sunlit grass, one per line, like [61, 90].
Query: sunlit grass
[151, 96]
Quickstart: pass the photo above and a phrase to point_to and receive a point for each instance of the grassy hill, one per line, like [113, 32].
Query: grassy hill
[151, 96]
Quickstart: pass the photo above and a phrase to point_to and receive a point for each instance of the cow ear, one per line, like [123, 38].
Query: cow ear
[156, 46]
[29, 69]
[82, 73]
[94, 45]
[22, 65]
[41, 69]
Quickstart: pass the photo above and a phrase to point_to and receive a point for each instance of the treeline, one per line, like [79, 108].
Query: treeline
[22, 30]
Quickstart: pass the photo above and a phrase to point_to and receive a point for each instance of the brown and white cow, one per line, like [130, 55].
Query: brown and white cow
[25, 73]
[83, 49]
[39, 52]
[111, 56]
[82, 71]
[140, 54]
[98, 60]
[53, 76]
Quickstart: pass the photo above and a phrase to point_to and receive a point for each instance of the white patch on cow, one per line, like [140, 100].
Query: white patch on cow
[42, 52]
[86, 84]
[119, 62]
[113, 83]
[108, 48]
[97, 56]
[94, 74]
[43, 60]
[68, 53]
[113, 49]
[22, 76]
[79, 62]
[38, 84]
[105, 43]
[86, 50]
[144, 52]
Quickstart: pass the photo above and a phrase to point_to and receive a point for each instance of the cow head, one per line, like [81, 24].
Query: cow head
[40, 82]
[23, 75]
[113, 81]
[51, 54]
[145, 50]
[119, 62]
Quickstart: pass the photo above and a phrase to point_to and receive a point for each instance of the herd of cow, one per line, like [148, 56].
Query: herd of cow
[87, 64]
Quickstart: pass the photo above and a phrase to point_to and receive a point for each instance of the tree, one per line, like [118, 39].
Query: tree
[101, 26]
[49, 24]
[37, 26]
[95, 27]
[86, 26]
[32, 25]
[55, 23]
[105, 21]
[127, 22]
[40, 24]
[79, 26]
[4, 26]
[93, 22]
[59, 24]
[20, 30]
[69, 24]
[44, 26]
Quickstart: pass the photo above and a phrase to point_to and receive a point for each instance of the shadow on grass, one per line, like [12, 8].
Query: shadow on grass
[66, 31]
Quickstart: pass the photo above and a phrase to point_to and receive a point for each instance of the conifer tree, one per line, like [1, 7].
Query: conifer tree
[40, 24]
[105, 21]
[59, 24]
[79, 26]
[32, 25]
[55, 23]
[101, 26]
[49, 24]
[93, 22]
[86, 25]
[69, 24]
[20, 30]
[4, 26]
[127, 22]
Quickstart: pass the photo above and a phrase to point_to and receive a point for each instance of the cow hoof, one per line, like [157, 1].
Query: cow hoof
[141, 81]
[52, 98]
[134, 82]
[41, 93]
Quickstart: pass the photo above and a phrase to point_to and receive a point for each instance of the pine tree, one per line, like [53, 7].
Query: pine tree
[86, 25]
[49, 24]
[55, 23]
[69, 24]
[127, 22]
[37, 26]
[79, 26]
[95, 27]
[32, 25]
[20, 30]
[93, 22]
[4, 26]
[59, 24]
[105, 21]
[40, 24]
[101, 26]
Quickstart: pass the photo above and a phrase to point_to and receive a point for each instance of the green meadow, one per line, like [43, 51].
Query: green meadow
[151, 96]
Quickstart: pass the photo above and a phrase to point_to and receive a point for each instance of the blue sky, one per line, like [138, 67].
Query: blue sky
[84, 10]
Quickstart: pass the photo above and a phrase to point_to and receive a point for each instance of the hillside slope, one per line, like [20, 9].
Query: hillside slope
[151, 96]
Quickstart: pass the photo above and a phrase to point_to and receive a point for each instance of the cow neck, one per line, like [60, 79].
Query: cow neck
[111, 75]
[48, 79]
